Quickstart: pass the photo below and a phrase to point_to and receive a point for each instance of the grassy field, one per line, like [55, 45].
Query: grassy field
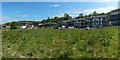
[53, 43]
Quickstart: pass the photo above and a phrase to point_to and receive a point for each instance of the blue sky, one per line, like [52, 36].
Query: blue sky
[15, 11]
[60, 0]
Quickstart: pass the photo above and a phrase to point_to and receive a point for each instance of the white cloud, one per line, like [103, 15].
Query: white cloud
[89, 11]
[76, 12]
[0, 20]
[100, 10]
[7, 19]
[56, 5]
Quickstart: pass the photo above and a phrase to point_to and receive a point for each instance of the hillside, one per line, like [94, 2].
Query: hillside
[54, 43]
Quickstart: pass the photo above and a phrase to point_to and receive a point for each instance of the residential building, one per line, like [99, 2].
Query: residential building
[80, 23]
[98, 21]
[114, 17]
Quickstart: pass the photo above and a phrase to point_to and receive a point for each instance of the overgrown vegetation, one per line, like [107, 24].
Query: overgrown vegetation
[13, 25]
[53, 43]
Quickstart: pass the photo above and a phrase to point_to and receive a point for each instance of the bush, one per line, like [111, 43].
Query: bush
[13, 25]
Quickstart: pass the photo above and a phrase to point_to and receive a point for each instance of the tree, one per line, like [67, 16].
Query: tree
[55, 17]
[67, 17]
[94, 13]
[81, 15]
[85, 16]
[13, 25]
[35, 23]
[8, 24]
[89, 15]
[48, 18]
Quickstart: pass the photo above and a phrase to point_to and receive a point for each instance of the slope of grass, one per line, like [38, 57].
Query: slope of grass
[53, 43]
[0, 43]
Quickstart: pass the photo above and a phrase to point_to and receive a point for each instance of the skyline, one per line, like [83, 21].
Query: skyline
[37, 11]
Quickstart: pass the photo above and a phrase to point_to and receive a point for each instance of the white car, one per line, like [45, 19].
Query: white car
[87, 28]
[63, 27]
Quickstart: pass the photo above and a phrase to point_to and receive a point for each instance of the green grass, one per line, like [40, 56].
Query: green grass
[53, 43]
[0, 43]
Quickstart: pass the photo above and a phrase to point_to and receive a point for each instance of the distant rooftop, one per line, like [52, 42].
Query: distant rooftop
[99, 16]
[117, 11]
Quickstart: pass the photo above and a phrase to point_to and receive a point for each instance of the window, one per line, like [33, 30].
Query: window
[101, 19]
